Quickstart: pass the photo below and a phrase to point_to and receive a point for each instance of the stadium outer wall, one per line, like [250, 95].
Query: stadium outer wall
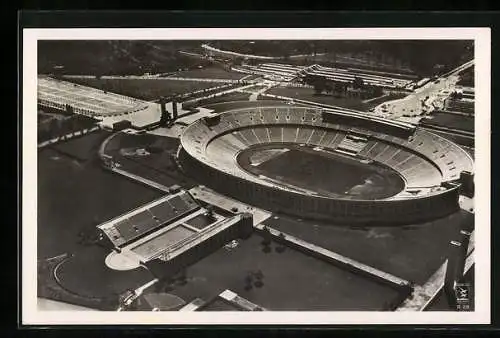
[338, 211]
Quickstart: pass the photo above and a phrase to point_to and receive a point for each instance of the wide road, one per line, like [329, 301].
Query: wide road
[422, 99]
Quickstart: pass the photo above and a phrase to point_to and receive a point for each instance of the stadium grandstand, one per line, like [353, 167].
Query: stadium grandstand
[168, 228]
[272, 71]
[426, 162]
[287, 73]
[348, 75]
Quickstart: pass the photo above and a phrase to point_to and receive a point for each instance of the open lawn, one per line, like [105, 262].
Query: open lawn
[309, 95]
[453, 121]
[146, 89]
[233, 96]
[75, 195]
[158, 166]
[82, 150]
[412, 252]
[210, 73]
[220, 107]
[290, 280]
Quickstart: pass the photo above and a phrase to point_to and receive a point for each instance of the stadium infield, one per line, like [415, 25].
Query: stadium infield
[326, 173]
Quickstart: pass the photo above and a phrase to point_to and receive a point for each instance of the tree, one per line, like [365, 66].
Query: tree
[267, 236]
[378, 91]
[357, 83]
[319, 84]
[328, 87]
[53, 129]
[281, 248]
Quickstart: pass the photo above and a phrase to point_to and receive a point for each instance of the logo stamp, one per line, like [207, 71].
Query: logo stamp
[463, 296]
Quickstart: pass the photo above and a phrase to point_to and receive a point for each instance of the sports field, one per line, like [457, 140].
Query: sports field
[329, 174]
[146, 89]
[157, 164]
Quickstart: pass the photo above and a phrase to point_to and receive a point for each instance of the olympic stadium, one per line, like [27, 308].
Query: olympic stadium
[208, 185]
[401, 174]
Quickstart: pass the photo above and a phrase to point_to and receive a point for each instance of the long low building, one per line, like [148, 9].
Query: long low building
[85, 100]
[286, 72]
[348, 75]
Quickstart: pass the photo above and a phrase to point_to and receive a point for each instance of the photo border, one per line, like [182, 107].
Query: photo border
[482, 252]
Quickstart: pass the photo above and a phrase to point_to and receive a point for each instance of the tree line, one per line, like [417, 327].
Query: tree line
[423, 57]
[342, 89]
[65, 123]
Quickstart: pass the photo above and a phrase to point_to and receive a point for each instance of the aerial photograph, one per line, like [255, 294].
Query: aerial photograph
[255, 175]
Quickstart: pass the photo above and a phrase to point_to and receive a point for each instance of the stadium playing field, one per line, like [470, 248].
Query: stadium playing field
[326, 173]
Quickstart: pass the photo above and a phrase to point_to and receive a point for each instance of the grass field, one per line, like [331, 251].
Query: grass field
[290, 280]
[309, 95]
[450, 121]
[87, 275]
[413, 252]
[75, 194]
[224, 106]
[381, 99]
[146, 89]
[329, 175]
[210, 73]
[233, 96]
[158, 166]
[82, 150]
[58, 123]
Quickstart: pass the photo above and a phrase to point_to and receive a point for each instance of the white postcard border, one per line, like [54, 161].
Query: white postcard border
[481, 315]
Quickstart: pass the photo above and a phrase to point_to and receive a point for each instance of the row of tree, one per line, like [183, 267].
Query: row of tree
[341, 89]
[114, 57]
[424, 57]
[57, 126]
